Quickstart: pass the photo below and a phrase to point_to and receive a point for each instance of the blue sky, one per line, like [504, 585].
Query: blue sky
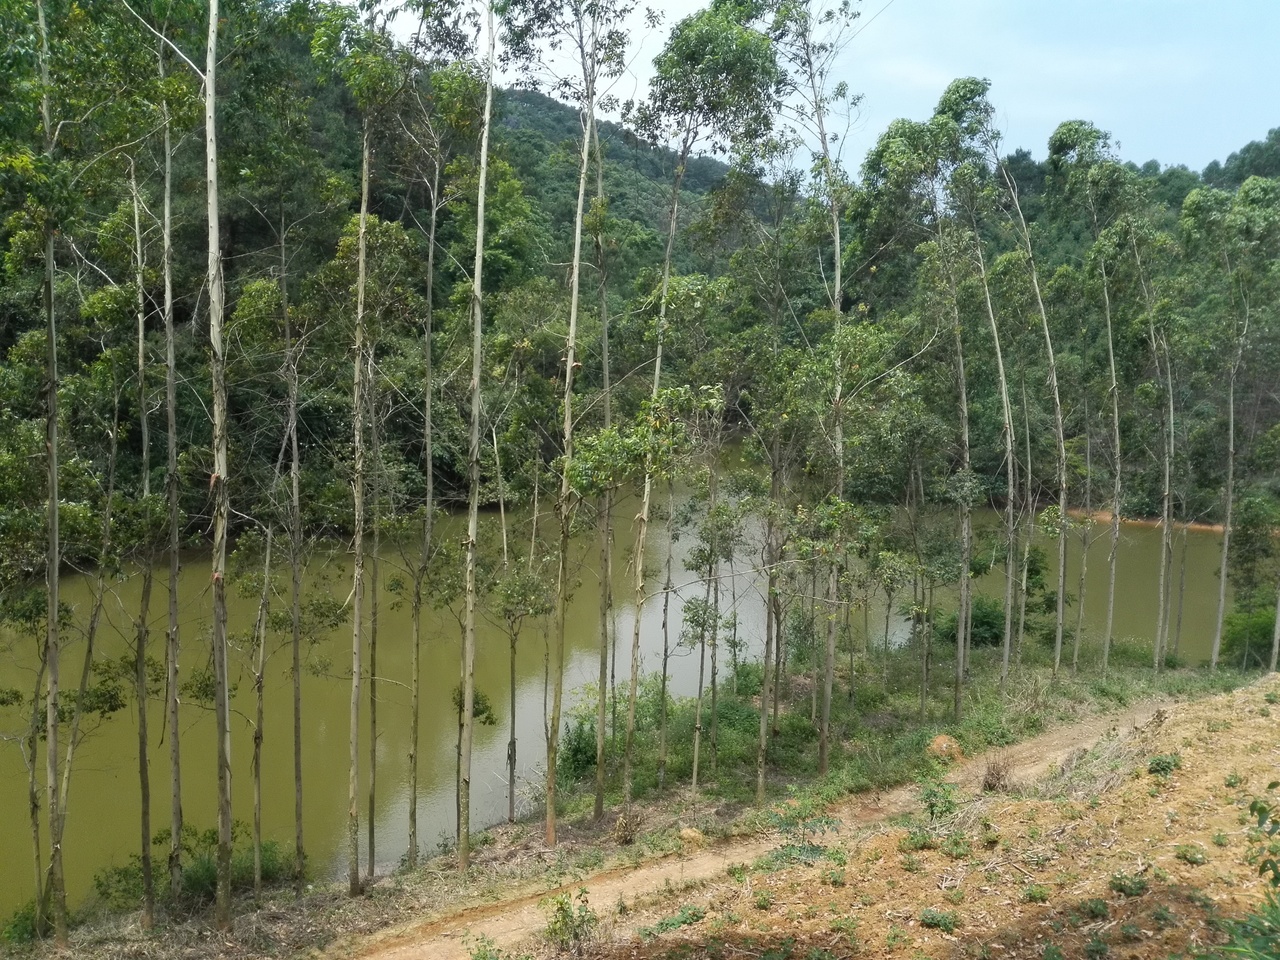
[1174, 80]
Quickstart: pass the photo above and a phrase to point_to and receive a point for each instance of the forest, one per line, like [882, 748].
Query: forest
[285, 274]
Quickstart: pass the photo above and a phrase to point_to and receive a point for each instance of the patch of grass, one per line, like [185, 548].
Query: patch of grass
[944, 920]
[1190, 853]
[1052, 952]
[1096, 949]
[911, 863]
[685, 917]
[1128, 885]
[1036, 893]
[1234, 780]
[956, 846]
[1164, 917]
[1220, 839]
[834, 877]
[897, 936]
[763, 900]
[917, 838]
[571, 922]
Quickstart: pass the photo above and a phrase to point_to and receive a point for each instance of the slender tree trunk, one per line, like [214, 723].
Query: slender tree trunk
[771, 639]
[1029, 501]
[642, 519]
[374, 565]
[473, 497]
[1117, 475]
[31, 758]
[141, 631]
[666, 642]
[295, 563]
[219, 481]
[144, 773]
[428, 520]
[1086, 539]
[172, 639]
[1058, 426]
[1010, 464]
[1166, 513]
[53, 556]
[697, 704]
[963, 619]
[566, 502]
[1226, 520]
[259, 683]
[358, 406]
[608, 635]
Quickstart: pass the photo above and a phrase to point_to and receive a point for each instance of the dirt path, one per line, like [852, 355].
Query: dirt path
[511, 923]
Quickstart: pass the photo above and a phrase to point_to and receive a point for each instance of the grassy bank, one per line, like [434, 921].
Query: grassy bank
[879, 742]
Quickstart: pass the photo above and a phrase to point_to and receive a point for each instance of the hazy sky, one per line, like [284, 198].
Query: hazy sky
[1181, 81]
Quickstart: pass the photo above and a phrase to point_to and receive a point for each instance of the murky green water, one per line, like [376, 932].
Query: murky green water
[103, 804]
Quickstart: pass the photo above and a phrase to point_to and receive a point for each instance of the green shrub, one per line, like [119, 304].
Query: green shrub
[1128, 885]
[20, 928]
[577, 756]
[944, 920]
[571, 922]
[1163, 764]
[1095, 908]
[987, 626]
[1036, 893]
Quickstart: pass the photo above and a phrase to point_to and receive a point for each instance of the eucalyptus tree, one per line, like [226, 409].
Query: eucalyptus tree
[810, 38]
[1235, 239]
[1092, 178]
[360, 52]
[918, 161]
[989, 139]
[715, 82]
[468, 698]
[594, 33]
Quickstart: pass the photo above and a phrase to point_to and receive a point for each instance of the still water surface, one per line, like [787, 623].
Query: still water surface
[103, 805]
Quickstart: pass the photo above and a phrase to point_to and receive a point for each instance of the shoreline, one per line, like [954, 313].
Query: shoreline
[1154, 523]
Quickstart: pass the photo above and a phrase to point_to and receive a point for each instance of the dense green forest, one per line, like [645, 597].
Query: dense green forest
[280, 271]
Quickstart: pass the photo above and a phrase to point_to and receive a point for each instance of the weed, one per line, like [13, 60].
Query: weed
[571, 923]
[1190, 853]
[1051, 952]
[1271, 697]
[1220, 839]
[1130, 933]
[1234, 780]
[955, 896]
[917, 838]
[738, 871]
[1036, 893]
[686, 916]
[944, 920]
[845, 925]
[1096, 949]
[897, 936]
[834, 877]
[1095, 908]
[939, 798]
[956, 846]
[763, 900]
[911, 863]
[1128, 885]
[1163, 916]
[1163, 764]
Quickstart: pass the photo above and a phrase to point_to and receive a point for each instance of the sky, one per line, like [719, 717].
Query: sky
[1178, 81]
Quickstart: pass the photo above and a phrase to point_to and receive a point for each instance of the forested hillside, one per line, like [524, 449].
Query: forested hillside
[273, 277]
